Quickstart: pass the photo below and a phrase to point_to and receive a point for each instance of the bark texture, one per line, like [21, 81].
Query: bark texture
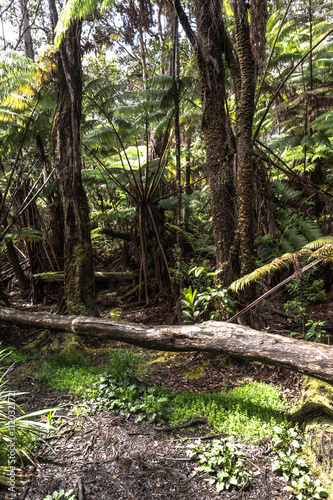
[218, 337]
[79, 275]
[245, 113]
[28, 45]
[209, 46]
[229, 158]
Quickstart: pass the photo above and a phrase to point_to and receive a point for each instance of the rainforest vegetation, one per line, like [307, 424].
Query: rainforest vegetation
[170, 162]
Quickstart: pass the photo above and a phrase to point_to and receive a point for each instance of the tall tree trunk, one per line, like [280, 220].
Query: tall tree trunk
[176, 102]
[188, 188]
[53, 16]
[209, 45]
[29, 50]
[232, 216]
[245, 113]
[79, 290]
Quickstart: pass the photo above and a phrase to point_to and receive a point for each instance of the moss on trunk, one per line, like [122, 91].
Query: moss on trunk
[315, 411]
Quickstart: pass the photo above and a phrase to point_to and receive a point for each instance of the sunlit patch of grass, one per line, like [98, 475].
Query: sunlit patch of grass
[250, 411]
[74, 376]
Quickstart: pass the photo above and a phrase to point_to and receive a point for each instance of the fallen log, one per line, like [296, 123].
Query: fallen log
[300, 356]
[111, 277]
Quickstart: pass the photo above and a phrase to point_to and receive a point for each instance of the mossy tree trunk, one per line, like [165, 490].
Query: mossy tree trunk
[209, 45]
[244, 122]
[79, 290]
[229, 158]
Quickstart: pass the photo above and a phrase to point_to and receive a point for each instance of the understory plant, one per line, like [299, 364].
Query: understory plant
[304, 291]
[224, 462]
[126, 393]
[18, 431]
[307, 289]
[209, 300]
[61, 495]
[289, 464]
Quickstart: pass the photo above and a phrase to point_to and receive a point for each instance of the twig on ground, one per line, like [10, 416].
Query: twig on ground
[195, 421]
[81, 491]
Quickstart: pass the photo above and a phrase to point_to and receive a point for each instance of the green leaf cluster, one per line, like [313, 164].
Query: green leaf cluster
[224, 461]
[289, 464]
[127, 393]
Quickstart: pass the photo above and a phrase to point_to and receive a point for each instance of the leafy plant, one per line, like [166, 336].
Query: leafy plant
[304, 291]
[315, 331]
[127, 394]
[192, 306]
[61, 495]
[306, 488]
[289, 464]
[206, 297]
[284, 437]
[223, 461]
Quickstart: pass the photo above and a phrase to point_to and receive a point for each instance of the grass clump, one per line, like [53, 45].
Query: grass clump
[77, 375]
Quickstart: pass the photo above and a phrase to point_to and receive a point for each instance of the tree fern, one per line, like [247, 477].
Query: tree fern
[323, 249]
[285, 193]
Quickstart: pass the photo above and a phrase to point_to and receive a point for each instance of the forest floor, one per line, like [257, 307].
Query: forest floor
[109, 455]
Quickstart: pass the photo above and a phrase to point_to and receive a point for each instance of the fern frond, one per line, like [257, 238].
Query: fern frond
[284, 192]
[326, 252]
[277, 264]
[74, 9]
[319, 243]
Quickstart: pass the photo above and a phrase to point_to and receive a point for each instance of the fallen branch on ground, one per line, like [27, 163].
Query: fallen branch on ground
[300, 356]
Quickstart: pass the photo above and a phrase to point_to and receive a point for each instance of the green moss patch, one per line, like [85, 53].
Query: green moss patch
[196, 372]
[317, 399]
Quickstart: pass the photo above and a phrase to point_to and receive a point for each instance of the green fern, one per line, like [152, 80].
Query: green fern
[324, 250]
[320, 243]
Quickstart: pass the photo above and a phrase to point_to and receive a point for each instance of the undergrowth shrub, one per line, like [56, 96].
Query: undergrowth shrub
[18, 431]
[223, 460]
[250, 411]
[304, 291]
